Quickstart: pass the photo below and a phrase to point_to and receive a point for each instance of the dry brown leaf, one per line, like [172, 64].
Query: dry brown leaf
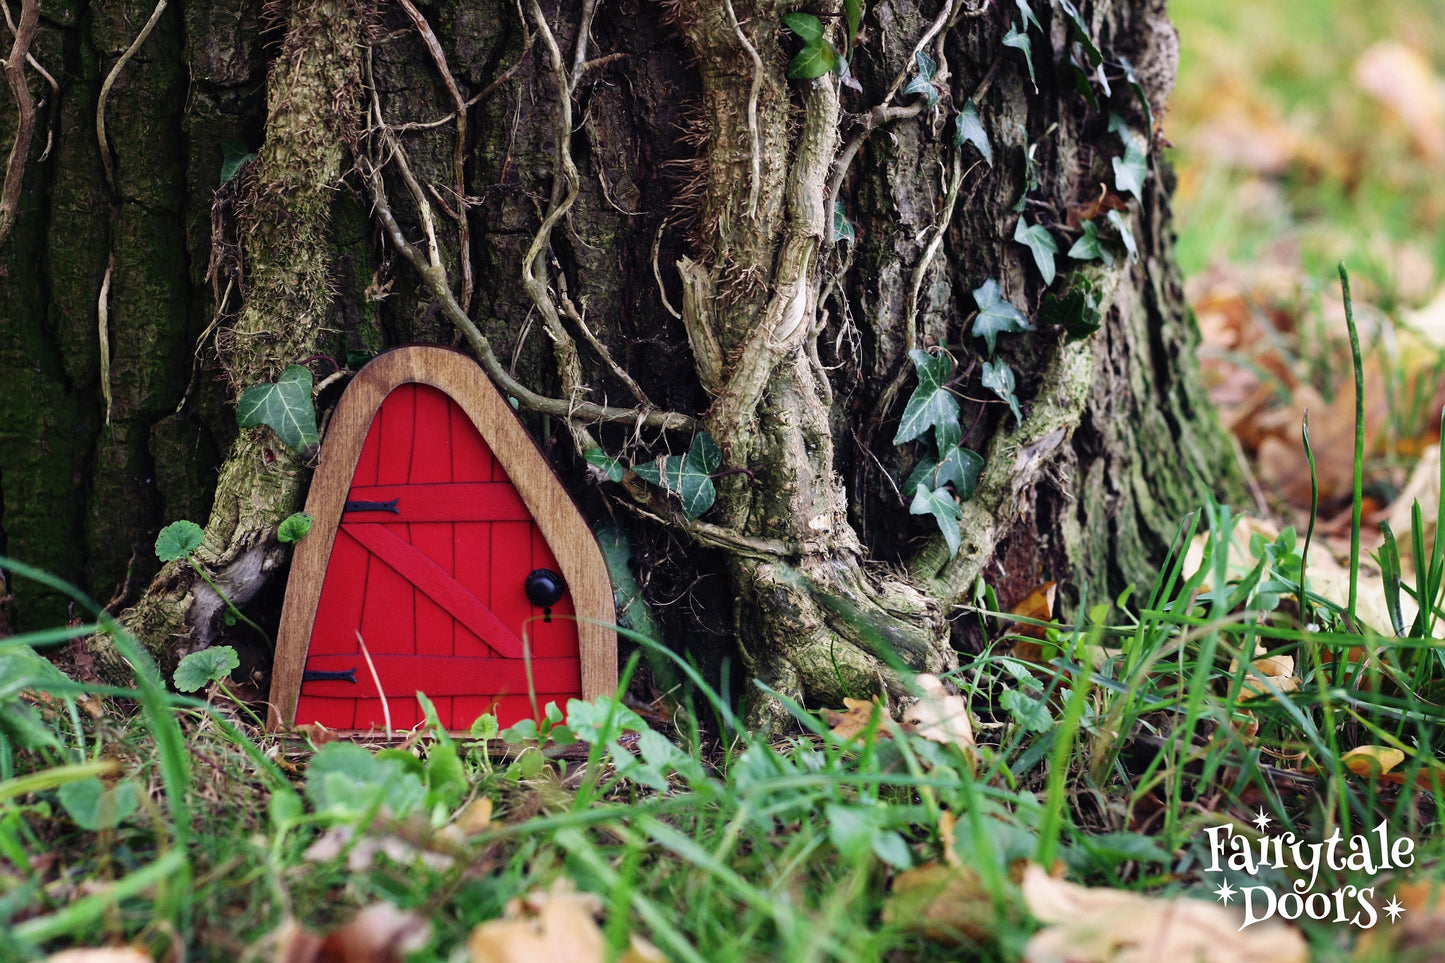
[1038, 604]
[1087, 925]
[1279, 669]
[317, 733]
[943, 902]
[379, 933]
[476, 817]
[1403, 81]
[1327, 577]
[110, 954]
[1418, 936]
[857, 718]
[559, 924]
[1372, 760]
[939, 716]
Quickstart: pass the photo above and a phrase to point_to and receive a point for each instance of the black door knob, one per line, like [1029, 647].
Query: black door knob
[544, 587]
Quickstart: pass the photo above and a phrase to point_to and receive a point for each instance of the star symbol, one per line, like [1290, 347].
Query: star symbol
[1225, 892]
[1394, 908]
[1261, 820]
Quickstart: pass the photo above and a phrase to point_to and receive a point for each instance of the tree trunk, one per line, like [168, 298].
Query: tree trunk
[633, 222]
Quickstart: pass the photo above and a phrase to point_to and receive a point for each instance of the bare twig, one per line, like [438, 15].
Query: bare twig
[577, 319]
[657, 271]
[102, 312]
[439, 57]
[883, 113]
[29, 57]
[436, 281]
[105, 159]
[25, 126]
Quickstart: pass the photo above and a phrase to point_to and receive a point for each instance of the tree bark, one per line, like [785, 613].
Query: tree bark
[636, 209]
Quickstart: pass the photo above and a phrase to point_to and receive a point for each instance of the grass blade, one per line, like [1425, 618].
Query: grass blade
[1358, 494]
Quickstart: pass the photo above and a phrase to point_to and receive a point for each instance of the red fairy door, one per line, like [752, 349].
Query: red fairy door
[439, 564]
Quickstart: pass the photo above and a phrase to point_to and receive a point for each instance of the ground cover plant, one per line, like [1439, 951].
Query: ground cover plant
[1047, 799]
[1082, 782]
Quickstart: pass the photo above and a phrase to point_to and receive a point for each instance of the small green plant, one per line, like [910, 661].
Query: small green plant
[178, 541]
[206, 666]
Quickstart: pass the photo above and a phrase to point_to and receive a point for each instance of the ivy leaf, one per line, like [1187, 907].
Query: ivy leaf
[285, 406]
[969, 129]
[1028, 14]
[207, 665]
[940, 504]
[704, 455]
[1088, 248]
[1020, 41]
[842, 228]
[1125, 235]
[995, 314]
[294, 528]
[94, 807]
[998, 377]
[808, 27]
[688, 476]
[609, 466]
[930, 402]
[923, 82]
[962, 467]
[1081, 31]
[853, 12]
[815, 60]
[1076, 312]
[234, 156]
[1038, 240]
[925, 473]
[177, 540]
[1138, 88]
[946, 436]
[1131, 170]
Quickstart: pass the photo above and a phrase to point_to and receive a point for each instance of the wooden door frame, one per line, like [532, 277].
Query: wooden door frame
[557, 516]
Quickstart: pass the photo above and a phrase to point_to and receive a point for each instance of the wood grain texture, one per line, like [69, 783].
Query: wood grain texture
[568, 538]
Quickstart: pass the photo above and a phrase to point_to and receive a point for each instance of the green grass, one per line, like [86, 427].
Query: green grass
[717, 844]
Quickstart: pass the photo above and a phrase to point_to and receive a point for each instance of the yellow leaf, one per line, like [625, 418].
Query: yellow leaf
[857, 718]
[1111, 926]
[476, 817]
[943, 902]
[559, 924]
[1372, 760]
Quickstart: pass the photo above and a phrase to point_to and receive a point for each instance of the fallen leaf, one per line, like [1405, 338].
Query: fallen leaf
[1403, 81]
[1279, 669]
[317, 733]
[1086, 925]
[1372, 760]
[379, 933]
[476, 817]
[1038, 604]
[943, 902]
[857, 718]
[559, 924]
[939, 716]
[1418, 936]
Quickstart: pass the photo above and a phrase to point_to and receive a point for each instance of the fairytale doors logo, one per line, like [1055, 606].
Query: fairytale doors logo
[1367, 853]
